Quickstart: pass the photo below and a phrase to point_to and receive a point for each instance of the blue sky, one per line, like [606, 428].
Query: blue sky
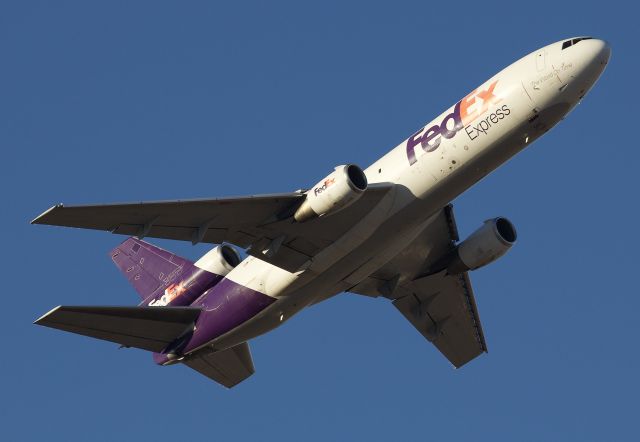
[126, 101]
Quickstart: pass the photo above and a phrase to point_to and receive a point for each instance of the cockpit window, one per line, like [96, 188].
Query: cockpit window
[568, 43]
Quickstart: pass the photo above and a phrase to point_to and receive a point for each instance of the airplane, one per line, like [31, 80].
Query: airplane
[385, 231]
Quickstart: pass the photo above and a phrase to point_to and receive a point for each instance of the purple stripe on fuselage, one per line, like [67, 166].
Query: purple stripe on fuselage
[225, 306]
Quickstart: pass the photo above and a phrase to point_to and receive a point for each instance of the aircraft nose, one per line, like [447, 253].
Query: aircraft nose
[601, 51]
[588, 52]
[590, 57]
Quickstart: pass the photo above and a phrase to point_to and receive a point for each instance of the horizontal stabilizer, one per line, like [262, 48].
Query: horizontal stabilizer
[148, 328]
[227, 367]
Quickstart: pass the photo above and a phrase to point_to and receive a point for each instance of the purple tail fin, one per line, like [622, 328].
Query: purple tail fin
[159, 276]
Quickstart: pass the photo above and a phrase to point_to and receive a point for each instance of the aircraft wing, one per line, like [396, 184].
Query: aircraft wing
[440, 306]
[253, 222]
[443, 309]
[227, 367]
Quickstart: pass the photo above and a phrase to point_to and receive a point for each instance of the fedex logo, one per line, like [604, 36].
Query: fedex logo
[464, 112]
[170, 293]
[327, 183]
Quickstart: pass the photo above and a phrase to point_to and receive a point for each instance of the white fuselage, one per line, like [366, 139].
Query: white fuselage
[428, 170]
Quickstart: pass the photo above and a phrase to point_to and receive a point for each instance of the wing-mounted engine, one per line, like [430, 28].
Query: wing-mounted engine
[492, 240]
[341, 188]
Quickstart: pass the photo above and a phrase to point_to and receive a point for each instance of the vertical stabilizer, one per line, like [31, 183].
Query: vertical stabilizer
[160, 277]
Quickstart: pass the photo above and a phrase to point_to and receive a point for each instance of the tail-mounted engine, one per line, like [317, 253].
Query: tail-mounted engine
[220, 260]
[341, 188]
[492, 240]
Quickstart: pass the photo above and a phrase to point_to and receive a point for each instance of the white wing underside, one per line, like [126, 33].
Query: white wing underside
[440, 306]
[252, 222]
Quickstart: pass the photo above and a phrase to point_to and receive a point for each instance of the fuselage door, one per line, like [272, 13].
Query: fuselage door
[544, 83]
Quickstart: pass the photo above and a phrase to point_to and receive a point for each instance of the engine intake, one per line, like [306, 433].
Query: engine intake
[220, 260]
[492, 240]
[341, 188]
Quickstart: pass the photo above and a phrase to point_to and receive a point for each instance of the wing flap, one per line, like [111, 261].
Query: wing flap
[228, 367]
[147, 328]
[442, 308]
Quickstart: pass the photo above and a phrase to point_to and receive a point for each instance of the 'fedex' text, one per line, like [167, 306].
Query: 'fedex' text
[464, 112]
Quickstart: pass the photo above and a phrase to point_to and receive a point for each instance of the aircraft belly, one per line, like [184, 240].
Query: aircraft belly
[309, 289]
[403, 215]
[429, 169]
[271, 317]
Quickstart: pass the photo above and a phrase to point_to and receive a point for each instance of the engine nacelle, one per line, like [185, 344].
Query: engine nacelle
[220, 260]
[492, 240]
[193, 281]
[341, 188]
